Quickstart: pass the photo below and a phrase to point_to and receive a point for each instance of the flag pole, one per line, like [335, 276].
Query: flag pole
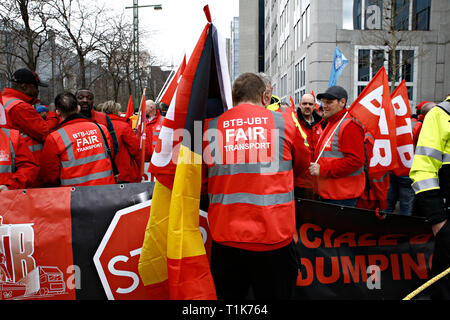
[331, 135]
[143, 137]
[165, 86]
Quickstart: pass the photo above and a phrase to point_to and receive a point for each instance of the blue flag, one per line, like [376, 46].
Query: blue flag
[339, 63]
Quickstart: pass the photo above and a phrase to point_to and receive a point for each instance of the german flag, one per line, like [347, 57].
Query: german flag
[173, 255]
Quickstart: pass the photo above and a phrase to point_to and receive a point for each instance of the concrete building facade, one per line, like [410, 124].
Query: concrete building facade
[300, 37]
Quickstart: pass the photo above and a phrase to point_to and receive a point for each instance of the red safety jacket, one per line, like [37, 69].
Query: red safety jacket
[313, 132]
[377, 185]
[18, 169]
[251, 155]
[417, 126]
[128, 158]
[75, 154]
[21, 115]
[152, 131]
[342, 162]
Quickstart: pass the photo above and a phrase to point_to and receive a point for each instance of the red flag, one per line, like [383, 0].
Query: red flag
[315, 100]
[170, 91]
[173, 234]
[164, 159]
[163, 166]
[373, 109]
[292, 104]
[141, 124]
[130, 108]
[405, 146]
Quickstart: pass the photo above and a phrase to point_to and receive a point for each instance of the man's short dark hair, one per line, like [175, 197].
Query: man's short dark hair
[248, 87]
[83, 89]
[66, 103]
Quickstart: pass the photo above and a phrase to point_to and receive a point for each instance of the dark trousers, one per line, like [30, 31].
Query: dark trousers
[440, 263]
[400, 190]
[271, 275]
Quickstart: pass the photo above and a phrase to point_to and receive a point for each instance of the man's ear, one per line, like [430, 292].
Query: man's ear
[265, 100]
[78, 108]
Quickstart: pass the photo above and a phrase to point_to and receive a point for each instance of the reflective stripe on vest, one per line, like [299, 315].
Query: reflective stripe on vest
[9, 168]
[33, 147]
[7, 105]
[89, 177]
[432, 153]
[423, 185]
[276, 166]
[336, 154]
[72, 162]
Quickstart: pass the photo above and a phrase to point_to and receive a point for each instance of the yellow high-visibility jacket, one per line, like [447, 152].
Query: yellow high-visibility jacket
[275, 104]
[430, 171]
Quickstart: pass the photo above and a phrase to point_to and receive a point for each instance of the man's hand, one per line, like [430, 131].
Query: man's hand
[3, 187]
[436, 227]
[314, 169]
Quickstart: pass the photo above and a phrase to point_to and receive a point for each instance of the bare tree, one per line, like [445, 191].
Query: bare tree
[81, 25]
[116, 52]
[25, 24]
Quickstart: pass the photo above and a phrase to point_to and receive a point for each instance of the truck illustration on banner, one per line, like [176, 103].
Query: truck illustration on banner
[20, 278]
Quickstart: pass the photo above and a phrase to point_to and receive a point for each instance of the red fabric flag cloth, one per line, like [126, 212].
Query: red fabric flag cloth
[172, 87]
[173, 252]
[317, 105]
[405, 145]
[292, 105]
[130, 108]
[373, 109]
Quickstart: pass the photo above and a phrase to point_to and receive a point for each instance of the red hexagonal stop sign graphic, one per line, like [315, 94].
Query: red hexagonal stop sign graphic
[117, 256]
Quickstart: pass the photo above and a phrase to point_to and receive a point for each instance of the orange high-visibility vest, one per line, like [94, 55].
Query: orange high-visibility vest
[348, 187]
[34, 146]
[250, 178]
[8, 143]
[84, 159]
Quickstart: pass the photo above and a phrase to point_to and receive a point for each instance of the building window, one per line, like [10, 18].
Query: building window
[284, 87]
[299, 80]
[369, 14]
[305, 24]
[297, 35]
[369, 60]
[401, 14]
[421, 14]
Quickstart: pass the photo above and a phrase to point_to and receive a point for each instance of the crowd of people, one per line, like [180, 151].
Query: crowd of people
[69, 142]
[321, 153]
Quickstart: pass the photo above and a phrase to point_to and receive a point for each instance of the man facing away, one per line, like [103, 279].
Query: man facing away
[339, 171]
[18, 101]
[128, 158]
[430, 173]
[251, 155]
[76, 153]
[18, 168]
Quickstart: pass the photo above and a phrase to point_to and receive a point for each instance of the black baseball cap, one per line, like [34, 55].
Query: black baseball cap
[332, 93]
[26, 76]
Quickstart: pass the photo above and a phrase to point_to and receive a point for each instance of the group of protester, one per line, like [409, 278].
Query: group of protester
[317, 156]
[321, 154]
[70, 142]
